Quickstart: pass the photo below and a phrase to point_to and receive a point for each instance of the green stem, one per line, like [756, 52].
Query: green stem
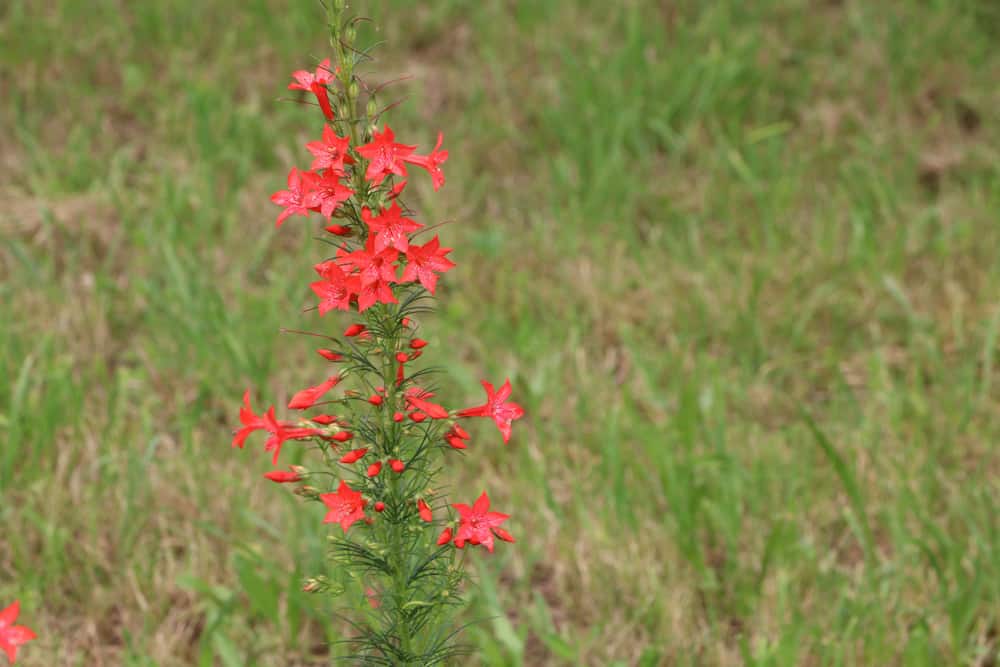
[397, 555]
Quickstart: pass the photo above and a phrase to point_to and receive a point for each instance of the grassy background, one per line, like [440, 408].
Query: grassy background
[739, 260]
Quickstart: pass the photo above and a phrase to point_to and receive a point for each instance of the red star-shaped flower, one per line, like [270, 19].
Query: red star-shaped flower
[375, 271]
[13, 636]
[295, 198]
[250, 420]
[346, 506]
[423, 261]
[371, 265]
[384, 156]
[316, 83]
[431, 162]
[331, 152]
[327, 193]
[391, 228]
[497, 408]
[477, 525]
[335, 290]
[282, 432]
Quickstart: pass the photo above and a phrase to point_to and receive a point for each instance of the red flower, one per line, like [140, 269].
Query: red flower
[335, 290]
[329, 355]
[283, 476]
[477, 524]
[316, 83]
[304, 79]
[353, 456]
[327, 193]
[346, 506]
[444, 537]
[308, 397]
[424, 510]
[251, 422]
[281, 432]
[331, 152]
[12, 636]
[384, 156]
[423, 261]
[431, 162]
[391, 228]
[294, 199]
[497, 408]
[376, 271]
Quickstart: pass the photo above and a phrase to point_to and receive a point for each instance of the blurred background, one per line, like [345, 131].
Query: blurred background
[738, 259]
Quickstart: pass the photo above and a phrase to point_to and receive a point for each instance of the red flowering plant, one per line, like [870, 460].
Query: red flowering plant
[379, 439]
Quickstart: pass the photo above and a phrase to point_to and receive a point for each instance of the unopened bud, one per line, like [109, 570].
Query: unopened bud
[352, 90]
[350, 34]
[371, 109]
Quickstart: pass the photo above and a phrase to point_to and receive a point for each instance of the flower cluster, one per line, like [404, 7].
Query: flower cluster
[374, 424]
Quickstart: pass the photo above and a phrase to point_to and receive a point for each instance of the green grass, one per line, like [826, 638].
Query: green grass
[739, 260]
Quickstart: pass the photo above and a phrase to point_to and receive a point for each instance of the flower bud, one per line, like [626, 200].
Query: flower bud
[371, 109]
[340, 230]
[418, 343]
[375, 399]
[445, 537]
[282, 476]
[374, 469]
[329, 355]
[354, 330]
[342, 436]
[397, 465]
[424, 510]
[379, 506]
[398, 417]
[402, 357]
[325, 420]
[353, 456]
[418, 416]
[350, 35]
